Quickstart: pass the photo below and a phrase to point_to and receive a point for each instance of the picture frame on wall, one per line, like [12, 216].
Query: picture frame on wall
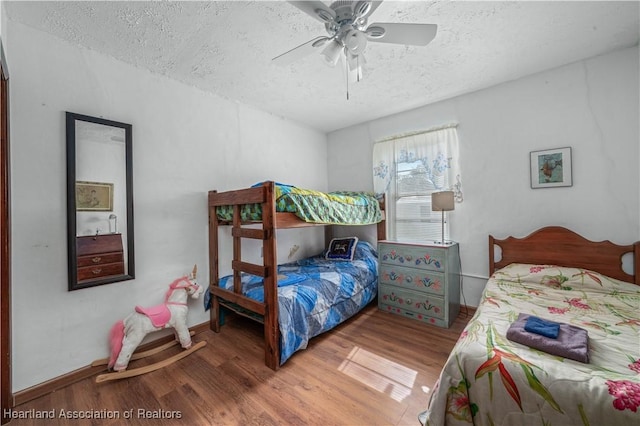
[94, 196]
[551, 168]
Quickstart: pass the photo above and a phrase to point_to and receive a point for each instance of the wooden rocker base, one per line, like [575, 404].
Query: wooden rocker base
[151, 367]
[144, 354]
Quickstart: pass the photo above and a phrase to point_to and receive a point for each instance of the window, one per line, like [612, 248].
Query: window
[408, 169]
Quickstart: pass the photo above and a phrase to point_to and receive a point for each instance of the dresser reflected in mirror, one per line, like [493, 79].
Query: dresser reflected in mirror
[99, 201]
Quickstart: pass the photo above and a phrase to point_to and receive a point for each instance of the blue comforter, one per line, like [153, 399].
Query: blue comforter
[315, 294]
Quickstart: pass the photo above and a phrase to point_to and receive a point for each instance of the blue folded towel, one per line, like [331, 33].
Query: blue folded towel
[572, 341]
[543, 327]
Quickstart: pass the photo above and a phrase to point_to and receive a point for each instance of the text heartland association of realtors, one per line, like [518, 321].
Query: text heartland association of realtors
[140, 413]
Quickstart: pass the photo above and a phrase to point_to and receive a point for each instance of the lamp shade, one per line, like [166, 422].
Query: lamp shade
[331, 53]
[442, 201]
[355, 42]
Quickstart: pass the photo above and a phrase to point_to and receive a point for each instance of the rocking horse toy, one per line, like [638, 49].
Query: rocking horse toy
[126, 335]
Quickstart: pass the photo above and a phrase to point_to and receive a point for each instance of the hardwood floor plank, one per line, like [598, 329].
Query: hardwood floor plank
[374, 369]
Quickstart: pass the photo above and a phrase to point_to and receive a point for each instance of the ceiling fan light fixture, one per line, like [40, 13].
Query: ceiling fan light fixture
[355, 42]
[375, 32]
[331, 53]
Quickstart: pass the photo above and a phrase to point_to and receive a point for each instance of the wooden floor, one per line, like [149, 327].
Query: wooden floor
[375, 369]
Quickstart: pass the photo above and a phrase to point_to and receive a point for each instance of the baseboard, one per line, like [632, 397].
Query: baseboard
[467, 310]
[59, 382]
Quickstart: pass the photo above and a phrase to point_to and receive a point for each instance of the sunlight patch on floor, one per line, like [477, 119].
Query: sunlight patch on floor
[379, 373]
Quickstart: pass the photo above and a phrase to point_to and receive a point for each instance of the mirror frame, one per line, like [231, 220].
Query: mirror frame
[71, 119]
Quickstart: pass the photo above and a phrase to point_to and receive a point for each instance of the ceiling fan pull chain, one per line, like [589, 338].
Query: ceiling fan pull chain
[346, 69]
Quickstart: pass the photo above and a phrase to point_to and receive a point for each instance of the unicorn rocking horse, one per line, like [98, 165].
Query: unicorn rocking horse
[127, 334]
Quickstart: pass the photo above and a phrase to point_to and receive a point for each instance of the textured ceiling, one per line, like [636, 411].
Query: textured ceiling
[226, 47]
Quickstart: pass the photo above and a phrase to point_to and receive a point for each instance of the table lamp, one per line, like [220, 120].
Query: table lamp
[442, 202]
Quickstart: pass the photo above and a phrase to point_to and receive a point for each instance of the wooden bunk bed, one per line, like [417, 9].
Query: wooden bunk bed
[271, 220]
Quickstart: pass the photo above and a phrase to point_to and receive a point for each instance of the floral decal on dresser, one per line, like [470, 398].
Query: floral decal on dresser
[393, 255]
[428, 260]
[428, 306]
[393, 276]
[419, 280]
[393, 298]
[429, 282]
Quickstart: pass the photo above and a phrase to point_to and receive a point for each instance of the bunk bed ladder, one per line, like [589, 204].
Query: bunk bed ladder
[267, 312]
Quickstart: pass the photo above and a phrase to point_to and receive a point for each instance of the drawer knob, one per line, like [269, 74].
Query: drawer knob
[96, 259]
[96, 271]
[408, 301]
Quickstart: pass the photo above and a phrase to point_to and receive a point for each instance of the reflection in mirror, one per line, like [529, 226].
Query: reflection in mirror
[99, 201]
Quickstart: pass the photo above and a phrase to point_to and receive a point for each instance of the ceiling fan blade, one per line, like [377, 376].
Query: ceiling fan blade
[374, 6]
[300, 52]
[399, 33]
[316, 9]
[364, 8]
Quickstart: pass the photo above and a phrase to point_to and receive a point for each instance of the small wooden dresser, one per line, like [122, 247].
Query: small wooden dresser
[420, 281]
[99, 256]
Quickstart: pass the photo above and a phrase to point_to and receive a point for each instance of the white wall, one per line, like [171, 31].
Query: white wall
[591, 106]
[185, 143]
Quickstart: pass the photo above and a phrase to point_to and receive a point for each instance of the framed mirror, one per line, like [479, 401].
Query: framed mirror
[99, 201]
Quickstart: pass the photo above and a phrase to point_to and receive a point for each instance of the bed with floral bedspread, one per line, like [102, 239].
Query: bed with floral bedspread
[491, 380]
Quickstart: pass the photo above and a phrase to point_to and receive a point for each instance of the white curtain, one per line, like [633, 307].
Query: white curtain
[437, 150]
[434, 153]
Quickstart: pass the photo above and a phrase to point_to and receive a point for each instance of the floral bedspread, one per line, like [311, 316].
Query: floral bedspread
[490, 380]
[340, 207]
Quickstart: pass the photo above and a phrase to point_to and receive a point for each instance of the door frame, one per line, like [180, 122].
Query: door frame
[6, 396]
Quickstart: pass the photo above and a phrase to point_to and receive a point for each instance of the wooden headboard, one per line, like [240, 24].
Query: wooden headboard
[555, 245]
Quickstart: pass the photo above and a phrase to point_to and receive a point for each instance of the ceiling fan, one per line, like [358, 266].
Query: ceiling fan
[348, 33]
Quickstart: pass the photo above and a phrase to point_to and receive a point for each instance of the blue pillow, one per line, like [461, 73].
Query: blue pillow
[342, 248]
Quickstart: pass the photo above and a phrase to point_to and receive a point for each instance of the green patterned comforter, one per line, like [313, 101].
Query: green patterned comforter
[338, 208]
[490, 380]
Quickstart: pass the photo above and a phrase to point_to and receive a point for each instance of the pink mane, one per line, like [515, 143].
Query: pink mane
[116, 335]
[174, 285]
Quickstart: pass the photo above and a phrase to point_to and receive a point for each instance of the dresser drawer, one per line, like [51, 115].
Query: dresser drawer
[99, 259]
[422, 257]
[412, 278]
[97, 244]
[100, 271]
[419, 303]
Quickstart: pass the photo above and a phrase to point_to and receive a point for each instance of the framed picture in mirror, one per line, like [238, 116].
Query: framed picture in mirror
[94, 196]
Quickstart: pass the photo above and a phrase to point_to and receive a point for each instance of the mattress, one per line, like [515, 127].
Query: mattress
[339, 207]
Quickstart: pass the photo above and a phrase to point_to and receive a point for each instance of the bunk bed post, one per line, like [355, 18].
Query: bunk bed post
[382, 225]
[492, 254]
[271, 324]
[237, 249]
[636, 262]
[214, 276]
